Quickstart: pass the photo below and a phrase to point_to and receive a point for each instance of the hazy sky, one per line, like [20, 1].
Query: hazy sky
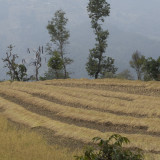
[141, 16]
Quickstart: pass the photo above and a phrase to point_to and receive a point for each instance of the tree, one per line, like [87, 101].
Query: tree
[56, 63]
[37, 62]
[11, 64]
[16, 71]
[111, 149]
[98, 10]
[137, 63]
[152, 69]
[59, 36]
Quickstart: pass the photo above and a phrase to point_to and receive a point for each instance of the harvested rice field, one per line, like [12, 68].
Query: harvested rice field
[71, 112]
[21, 143]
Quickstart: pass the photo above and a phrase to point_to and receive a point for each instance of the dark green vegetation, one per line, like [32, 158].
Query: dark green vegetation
[109, 150]
[146, 69]
[152, 69]
[55, 63]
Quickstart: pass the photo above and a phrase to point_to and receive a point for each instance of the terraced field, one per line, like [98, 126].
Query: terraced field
[72, 112]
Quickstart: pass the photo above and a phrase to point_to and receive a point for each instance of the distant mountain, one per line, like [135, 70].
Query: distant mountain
[133, 25]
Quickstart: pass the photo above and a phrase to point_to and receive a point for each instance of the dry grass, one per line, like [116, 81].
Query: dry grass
[26, 145]
[20, 115]
[79, 113]
[103, 82]
[99, 102]
[105, 100]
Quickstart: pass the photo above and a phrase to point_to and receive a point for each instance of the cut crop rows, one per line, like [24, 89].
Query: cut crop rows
[82, 109]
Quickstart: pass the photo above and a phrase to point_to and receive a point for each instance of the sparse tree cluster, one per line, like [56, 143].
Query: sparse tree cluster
[99, 65]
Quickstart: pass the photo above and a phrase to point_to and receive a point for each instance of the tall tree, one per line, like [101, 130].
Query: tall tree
[98, 10]
[59, 36]
[137, 63]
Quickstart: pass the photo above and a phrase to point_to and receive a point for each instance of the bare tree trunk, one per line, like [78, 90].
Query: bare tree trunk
[57, 74]
[36, 74]
[139, 76]
[62, 56]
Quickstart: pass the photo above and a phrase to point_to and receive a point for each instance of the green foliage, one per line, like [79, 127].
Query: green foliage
[137, 63]
[108, 75]
[126, 74]
[56, 63]
[97, 64]
[111, 149]
[57, 28]
[107, 67]
[59, 37]
[98, 10]
[52, 74]
[22, 72]
[152, 69]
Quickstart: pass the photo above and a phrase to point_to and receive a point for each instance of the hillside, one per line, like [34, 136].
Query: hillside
[72, 112]
[21, 143]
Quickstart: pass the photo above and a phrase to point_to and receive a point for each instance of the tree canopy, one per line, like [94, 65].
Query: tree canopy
[97, 63]
[59, 37]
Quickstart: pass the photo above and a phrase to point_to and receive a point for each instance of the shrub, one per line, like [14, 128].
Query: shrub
[111, 149]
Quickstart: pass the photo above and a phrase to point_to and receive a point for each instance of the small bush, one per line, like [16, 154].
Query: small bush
[111, 149]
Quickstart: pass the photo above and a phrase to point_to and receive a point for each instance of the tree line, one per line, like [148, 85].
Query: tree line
[98, 64]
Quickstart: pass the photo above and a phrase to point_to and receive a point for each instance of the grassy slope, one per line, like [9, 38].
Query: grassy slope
[136, 104]
[24, 145]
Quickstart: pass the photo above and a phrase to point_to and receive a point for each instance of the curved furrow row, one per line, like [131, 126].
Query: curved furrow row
[20, 115]
[132, 87]
[68, 97]
[113, 97]
[82, 114]
[110, 93]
